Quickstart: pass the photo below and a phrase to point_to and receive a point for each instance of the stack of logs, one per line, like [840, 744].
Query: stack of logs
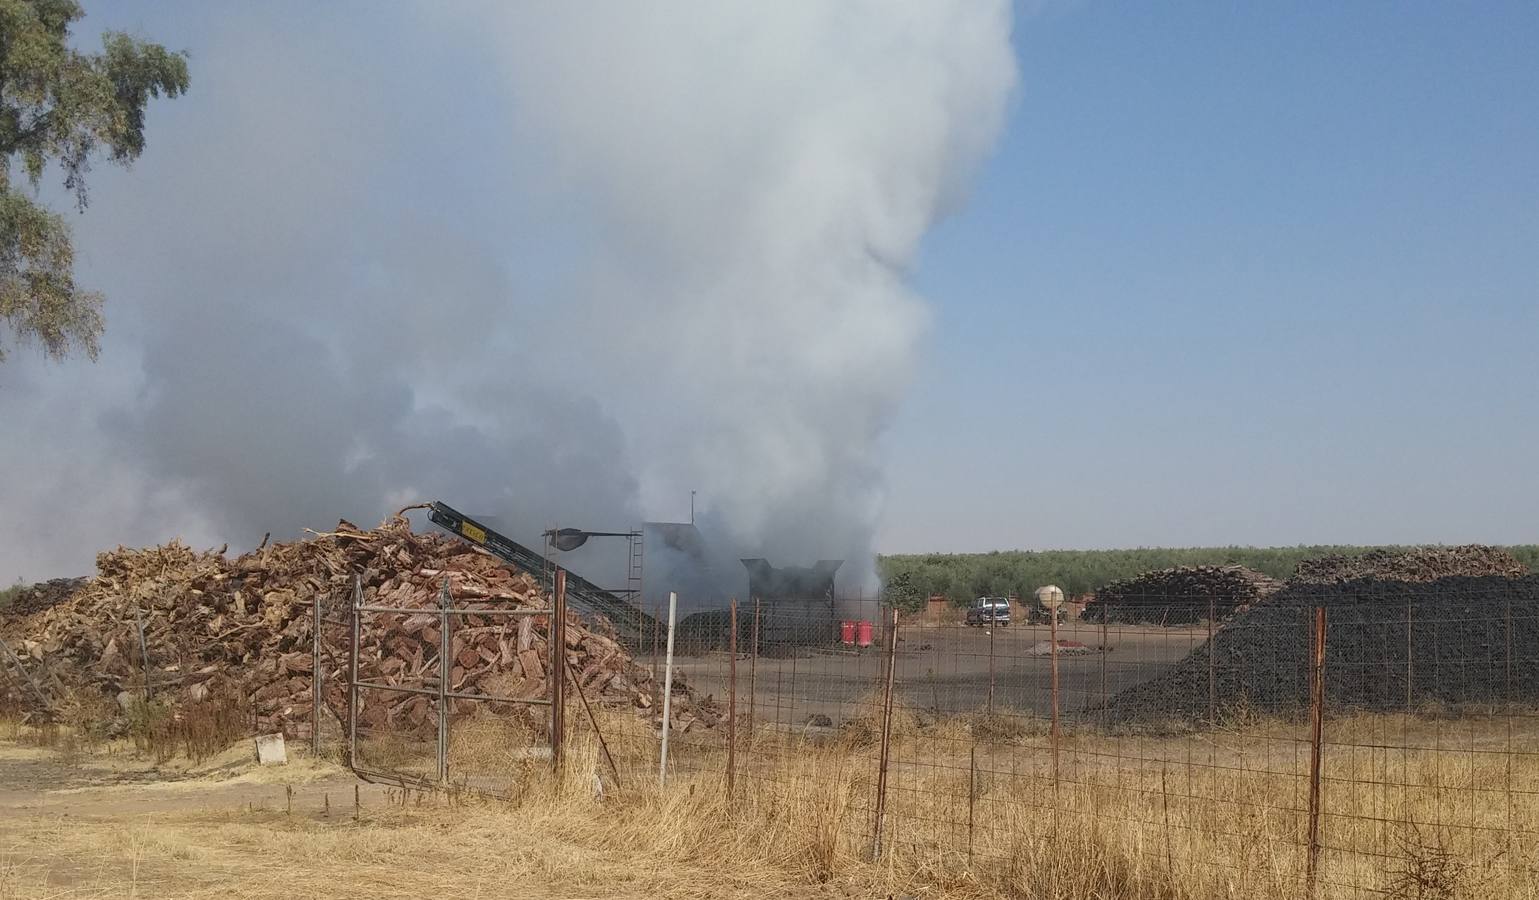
[1180, 595]
[222, 630]
[1417, 564]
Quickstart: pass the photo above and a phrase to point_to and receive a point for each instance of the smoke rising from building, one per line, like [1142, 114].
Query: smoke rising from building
[761, 179]
[668, 251]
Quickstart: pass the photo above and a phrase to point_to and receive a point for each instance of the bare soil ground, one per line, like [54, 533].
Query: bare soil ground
[36, 781]
[1152, 817]
[948, 670]
[109, 825]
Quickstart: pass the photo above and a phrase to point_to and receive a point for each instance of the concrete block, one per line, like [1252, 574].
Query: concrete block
[270, 750]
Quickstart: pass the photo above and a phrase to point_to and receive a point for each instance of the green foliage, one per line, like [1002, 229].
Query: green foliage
[901, 591]
[963, 576]
[8, 595]
[63, 106]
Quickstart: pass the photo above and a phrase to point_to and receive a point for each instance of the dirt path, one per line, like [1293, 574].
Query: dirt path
[41, 782]
[113, 826]
[948, 670]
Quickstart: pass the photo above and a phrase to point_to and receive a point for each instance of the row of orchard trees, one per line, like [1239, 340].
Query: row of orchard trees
[909, 578]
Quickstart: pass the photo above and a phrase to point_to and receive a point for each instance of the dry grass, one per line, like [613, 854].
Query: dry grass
[1170, 818]
[122, 765]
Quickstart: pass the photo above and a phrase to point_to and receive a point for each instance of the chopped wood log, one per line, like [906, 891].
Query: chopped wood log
[532, 666]
[1417, 564]
[216, 627]
[1180, 595]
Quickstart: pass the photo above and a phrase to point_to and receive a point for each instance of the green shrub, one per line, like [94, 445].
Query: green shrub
[963, 576]
[7, 595]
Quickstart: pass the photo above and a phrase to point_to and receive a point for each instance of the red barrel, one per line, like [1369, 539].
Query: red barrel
[846, 633]
[863, 633]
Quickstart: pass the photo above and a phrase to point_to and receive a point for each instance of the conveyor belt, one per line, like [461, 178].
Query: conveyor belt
[581, 594]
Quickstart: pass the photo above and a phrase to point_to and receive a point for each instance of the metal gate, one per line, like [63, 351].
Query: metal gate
[420, 748]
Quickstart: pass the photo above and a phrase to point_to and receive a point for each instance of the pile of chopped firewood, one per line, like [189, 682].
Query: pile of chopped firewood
[1413, 564]
[242, 629]
[1180, 595]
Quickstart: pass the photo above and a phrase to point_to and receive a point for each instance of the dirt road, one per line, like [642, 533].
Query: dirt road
[42, 782]
[950, 669]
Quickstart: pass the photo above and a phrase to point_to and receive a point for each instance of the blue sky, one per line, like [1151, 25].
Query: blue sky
[1239, 273]
[1233, 274]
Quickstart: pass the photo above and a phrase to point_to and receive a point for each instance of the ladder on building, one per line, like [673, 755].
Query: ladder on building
[633, 571]
[633, 582]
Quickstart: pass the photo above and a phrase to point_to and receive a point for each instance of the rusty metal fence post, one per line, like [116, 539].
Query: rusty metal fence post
[1408, 670]
[992, 626]
[557, 636]
[594, 723]
[1052, 618]
[732, 704]
[445, 668]
[1212, 665]
[1316, 743]
[753, 671]
[317, 682]
[972, 794]
[1105, 614]
[881, 772]
[352, 674]
[667, 688]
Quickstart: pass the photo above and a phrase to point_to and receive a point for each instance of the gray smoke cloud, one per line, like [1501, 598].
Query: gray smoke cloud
[762, 180]
[667, 252]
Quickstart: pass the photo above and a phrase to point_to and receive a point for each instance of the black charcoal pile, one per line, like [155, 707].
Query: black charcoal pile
[1390, 645]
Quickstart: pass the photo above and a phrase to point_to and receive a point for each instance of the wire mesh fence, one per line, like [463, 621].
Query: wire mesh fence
[1359, 739]
[1351, 738]
[1363, 739]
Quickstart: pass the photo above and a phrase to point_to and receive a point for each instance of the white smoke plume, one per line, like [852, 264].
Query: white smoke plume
[762, 175]
[546, 262]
